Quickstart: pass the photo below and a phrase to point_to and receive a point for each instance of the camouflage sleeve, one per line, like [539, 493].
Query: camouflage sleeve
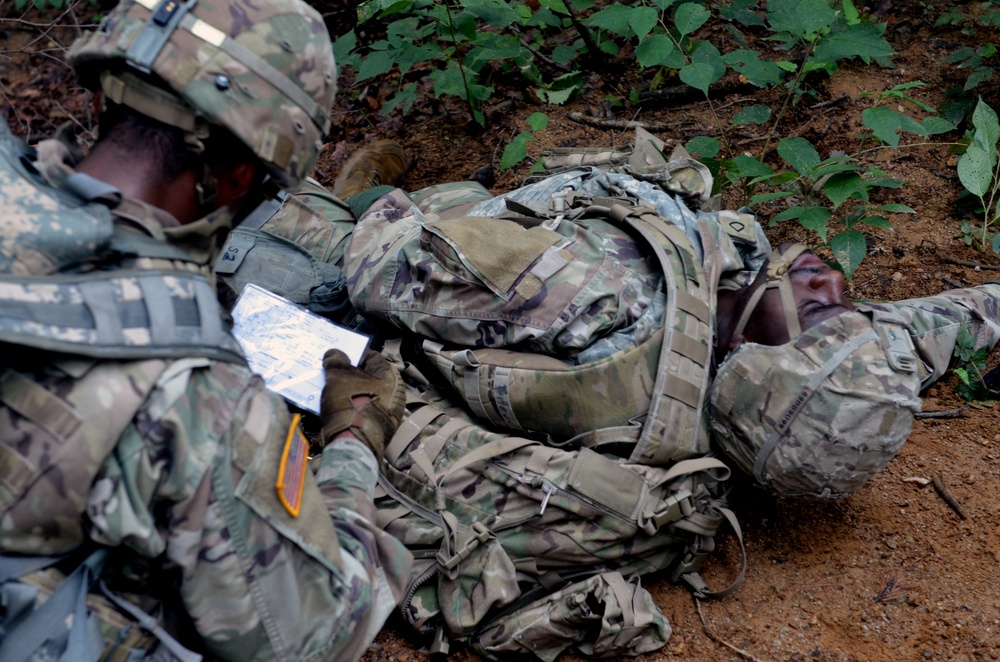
[315, 219]
[934, 323]
[275, 562]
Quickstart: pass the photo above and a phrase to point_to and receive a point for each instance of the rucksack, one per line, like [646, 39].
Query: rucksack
[532, 505]
[524, 547]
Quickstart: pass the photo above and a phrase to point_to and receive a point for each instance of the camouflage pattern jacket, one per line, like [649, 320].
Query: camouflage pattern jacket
[200, 491]
[934, 323]
[435, 274]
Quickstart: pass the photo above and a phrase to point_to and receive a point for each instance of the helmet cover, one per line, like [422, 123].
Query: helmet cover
[819, 415]
[262, 70]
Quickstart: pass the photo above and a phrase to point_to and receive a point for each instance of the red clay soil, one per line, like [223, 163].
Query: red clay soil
[891, 573]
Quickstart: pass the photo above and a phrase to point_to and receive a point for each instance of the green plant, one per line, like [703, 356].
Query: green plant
[463, 41]
[977, 170]
[887, 124]
[828, 194]
[971, 364]
[517, 150]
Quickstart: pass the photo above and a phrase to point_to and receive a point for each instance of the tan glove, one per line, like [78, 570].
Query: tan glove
[374, 421]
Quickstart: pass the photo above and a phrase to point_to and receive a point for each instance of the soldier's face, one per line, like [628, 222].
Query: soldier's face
[819, 295]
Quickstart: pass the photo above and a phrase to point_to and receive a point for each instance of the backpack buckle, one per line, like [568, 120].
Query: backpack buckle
[477, 534]
[675, 508]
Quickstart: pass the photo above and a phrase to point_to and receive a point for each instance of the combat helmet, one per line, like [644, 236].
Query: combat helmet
[821, 414]
[262, 70]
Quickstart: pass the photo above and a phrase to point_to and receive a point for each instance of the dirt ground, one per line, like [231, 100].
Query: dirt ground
[890, 573]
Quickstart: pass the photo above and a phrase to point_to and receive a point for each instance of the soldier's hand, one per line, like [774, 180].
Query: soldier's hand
[367, 401]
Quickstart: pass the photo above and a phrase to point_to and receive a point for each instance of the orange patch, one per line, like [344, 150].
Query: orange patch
[292, 471]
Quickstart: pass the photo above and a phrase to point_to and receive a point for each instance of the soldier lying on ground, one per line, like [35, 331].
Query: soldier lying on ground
[130, 427]
[821, 392]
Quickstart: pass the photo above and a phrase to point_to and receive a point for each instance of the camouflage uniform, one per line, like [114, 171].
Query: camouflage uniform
[322, 223]
[933, 324]
[820, 415]
[484, 282]
[190, 482]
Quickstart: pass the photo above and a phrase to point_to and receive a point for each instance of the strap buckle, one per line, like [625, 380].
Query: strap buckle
[477, 534]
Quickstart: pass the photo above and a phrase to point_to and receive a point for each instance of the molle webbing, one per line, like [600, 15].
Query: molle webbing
[530, 392]
[120, 314]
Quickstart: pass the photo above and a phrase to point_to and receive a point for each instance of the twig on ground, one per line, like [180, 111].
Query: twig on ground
[948, 498]
[733, 102]
[950, 281]
[974, 265]
[894, 589]
[719, 640]
[947, 413]
[831, 102]
[617, 124]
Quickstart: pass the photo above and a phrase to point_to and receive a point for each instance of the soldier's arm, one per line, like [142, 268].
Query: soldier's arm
[274, 563]
[934, 323]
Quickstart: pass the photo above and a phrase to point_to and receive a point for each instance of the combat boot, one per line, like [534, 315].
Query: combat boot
[383, 163]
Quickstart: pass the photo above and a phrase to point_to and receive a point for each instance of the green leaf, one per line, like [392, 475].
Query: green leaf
[975, 170]
[895, 208]
[403, 98]
[689, 17]
[703, 146]
[884, 182]
[978, 75]
[384, 7]
[762, 73]
[849, 248]
[375, 64]
[861, 40]
[643, 20]
[878, 222]
[756, 114]
[538, 121]
[516, 151]
[851, 14]
[799, 18]
[787, 215]
[844, 185]
[698, 75]
[706, 53]
[995, 242]
[496, 13]
[887, 124]
[984, 119]
[747, 166]
[933, 125]
[614, 17]
[800, 154]
[658, 50]
[342, 47]
[815, 219]
[741, 11]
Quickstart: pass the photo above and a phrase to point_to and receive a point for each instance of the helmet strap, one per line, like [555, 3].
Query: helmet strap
[774, 274]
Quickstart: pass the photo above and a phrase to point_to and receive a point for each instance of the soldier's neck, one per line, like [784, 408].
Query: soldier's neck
[135, 178]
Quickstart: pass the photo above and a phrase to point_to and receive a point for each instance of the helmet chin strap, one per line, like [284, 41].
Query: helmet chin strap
[773, 275]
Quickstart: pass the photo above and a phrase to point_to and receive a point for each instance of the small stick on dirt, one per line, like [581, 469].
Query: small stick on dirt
[719, 640]
[894, 589]
[974, 265]
[831, 102]
[947, 413]
[950, 281]
[616, 124]
[948, 498]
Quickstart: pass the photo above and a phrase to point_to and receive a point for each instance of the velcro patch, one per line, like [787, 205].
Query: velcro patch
[292, 470]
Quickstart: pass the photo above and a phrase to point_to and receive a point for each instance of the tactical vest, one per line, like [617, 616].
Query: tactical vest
[84, 342]
[662, 381]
